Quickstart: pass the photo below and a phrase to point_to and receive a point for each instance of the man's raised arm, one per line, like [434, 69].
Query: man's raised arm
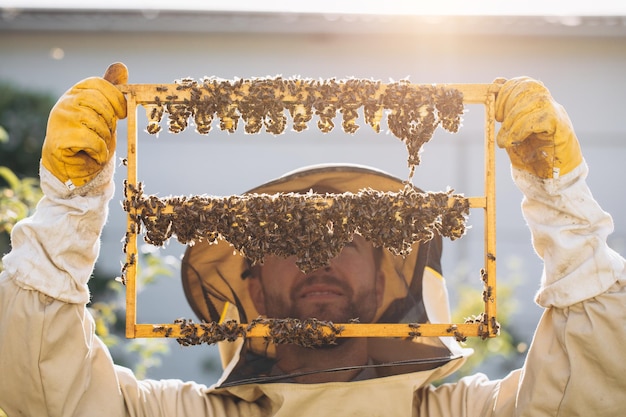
[575, 365]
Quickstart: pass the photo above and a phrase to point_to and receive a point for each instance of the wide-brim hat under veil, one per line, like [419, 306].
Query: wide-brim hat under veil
[213, 276]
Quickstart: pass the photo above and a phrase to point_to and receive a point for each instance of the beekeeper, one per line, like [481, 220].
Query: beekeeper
[51, 362]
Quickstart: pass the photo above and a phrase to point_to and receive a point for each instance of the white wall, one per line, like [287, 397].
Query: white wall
[585, 74]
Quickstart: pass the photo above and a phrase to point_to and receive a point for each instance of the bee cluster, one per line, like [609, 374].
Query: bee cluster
[413, 111]
[312, 226]
[210, 333]
[414, 330]
[308, 333]
[483, 322]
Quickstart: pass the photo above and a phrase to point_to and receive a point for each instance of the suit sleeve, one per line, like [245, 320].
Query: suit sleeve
[575, 364]
[51, 361]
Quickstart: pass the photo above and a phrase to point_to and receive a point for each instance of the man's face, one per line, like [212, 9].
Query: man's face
[349, 287]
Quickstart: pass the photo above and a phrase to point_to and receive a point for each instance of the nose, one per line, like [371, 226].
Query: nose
[321, 271]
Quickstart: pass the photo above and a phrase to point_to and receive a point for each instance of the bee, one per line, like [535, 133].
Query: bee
[452, 328]
[126, 240]
[495, 326]
[483, 275]
[460, 337]
[487, 294]
[481, 332]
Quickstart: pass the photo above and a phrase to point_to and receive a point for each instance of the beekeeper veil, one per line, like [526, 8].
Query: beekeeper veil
[215, 278]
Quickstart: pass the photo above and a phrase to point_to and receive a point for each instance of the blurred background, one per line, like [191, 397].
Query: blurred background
[579, 54]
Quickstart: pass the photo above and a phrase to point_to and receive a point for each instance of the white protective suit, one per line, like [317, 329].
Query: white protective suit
[51, 363]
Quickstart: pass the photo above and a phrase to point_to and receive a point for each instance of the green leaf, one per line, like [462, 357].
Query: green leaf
[4, 138]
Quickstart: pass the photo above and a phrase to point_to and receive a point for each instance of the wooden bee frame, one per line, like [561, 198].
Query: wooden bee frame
[483, 325]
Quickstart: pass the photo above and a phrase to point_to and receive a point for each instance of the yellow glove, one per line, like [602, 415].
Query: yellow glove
[536, 131]
[80, 137]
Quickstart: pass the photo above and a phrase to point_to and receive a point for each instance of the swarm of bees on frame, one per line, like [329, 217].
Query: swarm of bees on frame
[309, 333]
[314, 227]
[413, 111]
[210, 333]
[483, 322]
